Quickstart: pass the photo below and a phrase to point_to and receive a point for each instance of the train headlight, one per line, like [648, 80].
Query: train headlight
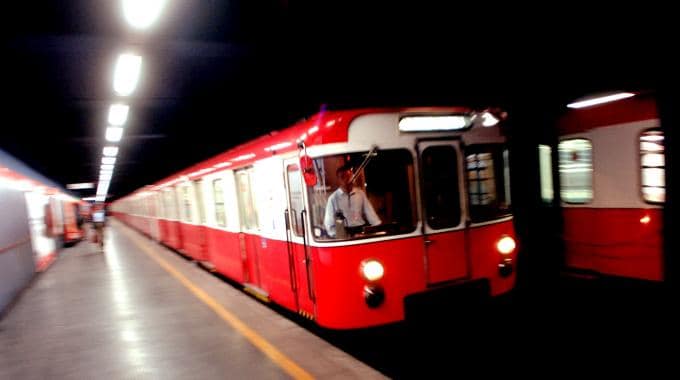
[506, 245]
[372, 270]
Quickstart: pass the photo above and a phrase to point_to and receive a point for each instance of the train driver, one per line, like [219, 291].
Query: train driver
[348, 206]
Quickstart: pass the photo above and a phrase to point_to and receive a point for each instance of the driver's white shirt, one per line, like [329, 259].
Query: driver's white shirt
[355, 206]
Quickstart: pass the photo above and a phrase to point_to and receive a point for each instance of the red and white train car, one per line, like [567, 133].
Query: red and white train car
[52, 215]
[612, 186]
[437, 178]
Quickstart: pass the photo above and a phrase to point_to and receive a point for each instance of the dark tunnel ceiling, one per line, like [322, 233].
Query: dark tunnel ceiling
[217, 73]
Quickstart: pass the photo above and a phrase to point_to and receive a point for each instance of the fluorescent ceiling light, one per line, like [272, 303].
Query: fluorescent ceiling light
[118, 114]
[110, 151]
[80, 186]
[126, 74]
[140, 14]
[114, 134]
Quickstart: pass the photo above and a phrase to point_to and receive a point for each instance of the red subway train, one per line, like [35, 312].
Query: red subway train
[346, 216]
[611, 165]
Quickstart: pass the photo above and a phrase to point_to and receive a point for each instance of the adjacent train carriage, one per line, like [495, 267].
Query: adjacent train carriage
[611, 160]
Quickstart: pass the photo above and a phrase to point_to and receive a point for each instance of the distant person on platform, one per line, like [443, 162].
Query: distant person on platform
[348, 206]
[99, 221]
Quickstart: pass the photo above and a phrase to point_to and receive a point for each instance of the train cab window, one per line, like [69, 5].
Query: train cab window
[576, 170]
[653, 166]
[441, 192]
[218, 196]
[377, 199]
[488, 175]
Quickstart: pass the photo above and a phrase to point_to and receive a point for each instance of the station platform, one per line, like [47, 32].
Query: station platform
[139, 310]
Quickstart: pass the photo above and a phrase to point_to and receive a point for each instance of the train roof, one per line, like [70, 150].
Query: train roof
[324, 127]
[25, 178]
[637, 108]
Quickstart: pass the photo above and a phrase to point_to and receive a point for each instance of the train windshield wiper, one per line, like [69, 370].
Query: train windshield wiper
[369, 156]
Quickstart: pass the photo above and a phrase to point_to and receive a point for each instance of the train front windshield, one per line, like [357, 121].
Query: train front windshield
[365, 194]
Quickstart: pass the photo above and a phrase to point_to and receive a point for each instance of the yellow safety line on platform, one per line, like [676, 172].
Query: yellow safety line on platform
[258, 341]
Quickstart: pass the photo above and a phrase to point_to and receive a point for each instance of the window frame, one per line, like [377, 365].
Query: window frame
[412, 189]
[503, 152]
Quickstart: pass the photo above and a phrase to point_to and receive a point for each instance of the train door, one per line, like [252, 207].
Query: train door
[296, 238]
[249, 233]
[443, 208]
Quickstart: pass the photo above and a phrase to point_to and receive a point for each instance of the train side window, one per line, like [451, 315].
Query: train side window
[245, 198]
[218, 196]
[166, 204]
[147, 206]
[297, 204]
[186, 204]
[198, 191]
[177, 203]
[440, 186]
[150, 206]
[576, 170]
[488, 173]
[546, 172]
[170, 205]
[159, 205]
[653, 166]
